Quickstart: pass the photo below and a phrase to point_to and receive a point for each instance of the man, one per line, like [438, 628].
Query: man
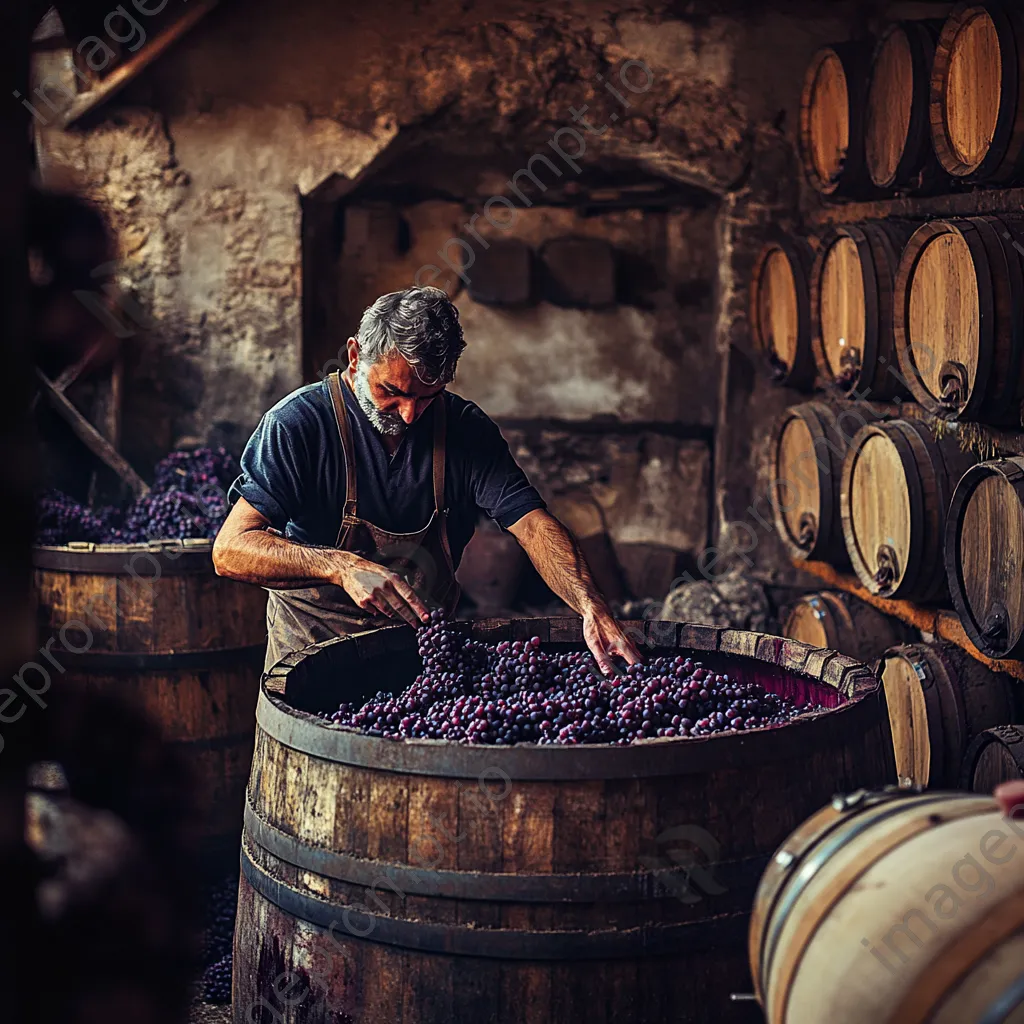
[340, 477]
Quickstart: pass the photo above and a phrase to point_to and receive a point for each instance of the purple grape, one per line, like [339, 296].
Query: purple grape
[187, 499]
[514, 692]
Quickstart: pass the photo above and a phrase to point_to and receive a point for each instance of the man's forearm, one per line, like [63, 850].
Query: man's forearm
[559, 560]
[269, 560]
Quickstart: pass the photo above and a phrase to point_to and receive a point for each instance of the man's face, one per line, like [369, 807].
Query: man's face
[390, 393]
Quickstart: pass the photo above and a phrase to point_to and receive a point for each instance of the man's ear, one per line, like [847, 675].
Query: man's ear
[353, 354]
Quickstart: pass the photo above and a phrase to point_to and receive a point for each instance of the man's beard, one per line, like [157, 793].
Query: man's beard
[388, 423]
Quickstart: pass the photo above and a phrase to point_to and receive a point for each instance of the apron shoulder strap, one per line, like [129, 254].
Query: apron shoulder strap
[440, 434]
[345, 434]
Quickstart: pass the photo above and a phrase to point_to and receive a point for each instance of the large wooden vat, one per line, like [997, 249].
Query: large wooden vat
[977, 92]
[852, 291]
[939, 698]
[985, 556]
[994, 756]
[892, 908]
[832, 108]
[155, 626]
[959, 318]
[534, 882]
[842, 623]
[898, 479]
[898, 144]
[809, 445]
[780, 312]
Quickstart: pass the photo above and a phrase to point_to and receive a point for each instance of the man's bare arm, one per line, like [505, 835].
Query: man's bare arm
[246, 549]
[560, 562]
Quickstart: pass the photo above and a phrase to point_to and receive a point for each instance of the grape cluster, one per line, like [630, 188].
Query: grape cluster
[514, 692]
[218, 937]
[187, 499]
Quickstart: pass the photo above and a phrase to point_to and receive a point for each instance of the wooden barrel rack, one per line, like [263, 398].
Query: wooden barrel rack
[844, 881]
[533, 874]
[939, 698]
[155, 626]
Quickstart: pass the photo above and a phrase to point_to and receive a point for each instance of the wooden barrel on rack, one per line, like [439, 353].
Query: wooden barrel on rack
[461, 882]
[155, 626]
[984, 556]
[852, 292]
[780, 317]
[892, 908]
[898, 479]
[808, 448]
[994, 756]
[832, 109]
[898, 143]
[939, 698]
[842, 623]
[977, 92]
[959, 318]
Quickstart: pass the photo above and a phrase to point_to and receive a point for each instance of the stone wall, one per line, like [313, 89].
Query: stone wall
[207, 162]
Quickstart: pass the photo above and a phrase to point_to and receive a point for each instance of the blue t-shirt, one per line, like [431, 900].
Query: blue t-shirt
[293, 471]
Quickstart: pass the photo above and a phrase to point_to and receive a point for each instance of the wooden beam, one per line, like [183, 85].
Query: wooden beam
[960, 204]
[136, 64]
[91, 437]
[943, 623]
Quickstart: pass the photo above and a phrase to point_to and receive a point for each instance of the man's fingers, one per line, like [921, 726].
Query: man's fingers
[399, 605]
[1010, 795]
[412, 600]
[627, 650]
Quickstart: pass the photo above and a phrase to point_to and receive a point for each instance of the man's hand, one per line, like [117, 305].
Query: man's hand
[1010, 796]
[605, 638]
[374, 588]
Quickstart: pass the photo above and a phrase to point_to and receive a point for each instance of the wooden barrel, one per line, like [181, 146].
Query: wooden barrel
[898, 143]
[977, 92]
[462, 882]
[939, 698]
[898, 479]
[832, 109]
[154, 625]
[959, 318]
[809, 446]
[891, 908]
[842, 623]
[994, 756]
[984, 554]
[780, 311]
[852, 291]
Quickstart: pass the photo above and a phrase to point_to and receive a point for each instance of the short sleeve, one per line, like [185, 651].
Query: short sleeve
[500, 487]
[274, 467]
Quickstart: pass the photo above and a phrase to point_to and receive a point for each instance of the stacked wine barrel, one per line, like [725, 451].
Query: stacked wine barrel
[925, 105]
[842, 623]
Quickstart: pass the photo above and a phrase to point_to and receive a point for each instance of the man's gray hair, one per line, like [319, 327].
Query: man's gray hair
[422, 325]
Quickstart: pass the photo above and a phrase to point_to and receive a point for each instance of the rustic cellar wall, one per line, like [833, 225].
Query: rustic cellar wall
[205, 161]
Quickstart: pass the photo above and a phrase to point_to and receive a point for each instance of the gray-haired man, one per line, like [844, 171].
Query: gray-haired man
[358, 494]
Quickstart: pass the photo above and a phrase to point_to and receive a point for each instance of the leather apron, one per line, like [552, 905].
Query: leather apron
[309, 615]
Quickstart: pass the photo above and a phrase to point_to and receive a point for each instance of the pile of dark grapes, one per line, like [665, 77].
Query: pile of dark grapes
[187, 499]
[221, 902]
[516, 693]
